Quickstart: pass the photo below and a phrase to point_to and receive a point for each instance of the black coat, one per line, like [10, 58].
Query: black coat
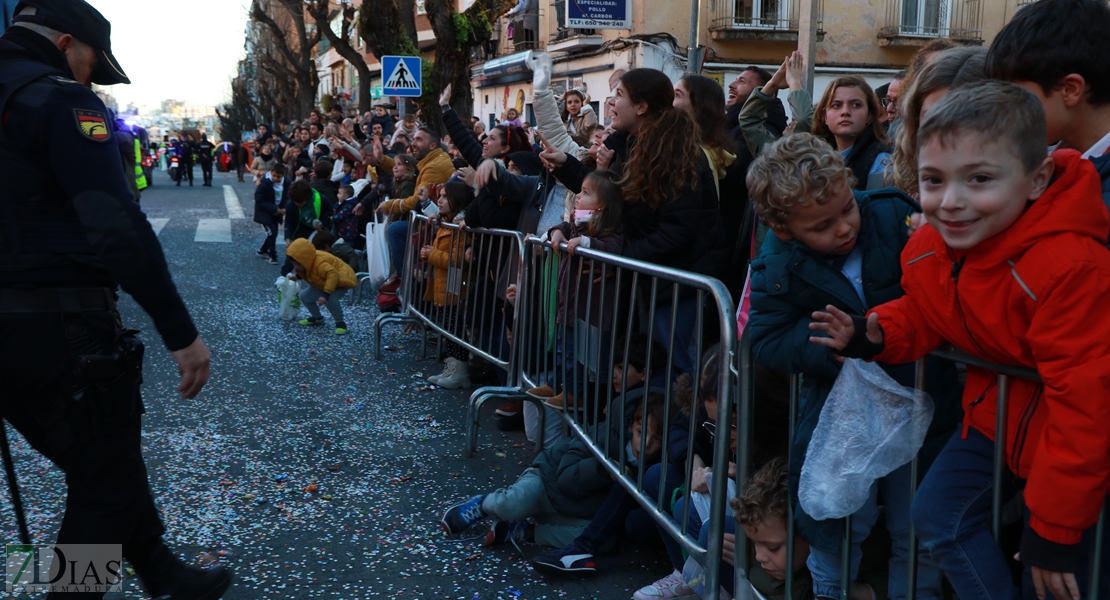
[486, 210]
[265, 201]
[682, 233]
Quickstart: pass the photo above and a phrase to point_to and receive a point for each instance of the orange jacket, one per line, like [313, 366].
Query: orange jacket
[1035, 295]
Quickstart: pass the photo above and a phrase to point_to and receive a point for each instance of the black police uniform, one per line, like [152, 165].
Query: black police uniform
[70, 232]
[186, 148]
[204, 156]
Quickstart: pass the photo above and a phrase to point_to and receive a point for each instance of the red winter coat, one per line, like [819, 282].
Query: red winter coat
[1035, 295]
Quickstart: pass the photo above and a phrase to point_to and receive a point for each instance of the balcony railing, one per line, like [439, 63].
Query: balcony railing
[760, 19]
[958, 20]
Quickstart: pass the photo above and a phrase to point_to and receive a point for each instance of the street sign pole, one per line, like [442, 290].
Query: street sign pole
[807, 38]
[694, 51]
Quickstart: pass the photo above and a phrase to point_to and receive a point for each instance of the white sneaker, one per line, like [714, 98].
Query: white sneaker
[447, 370]
[670, 587]
[459, 377]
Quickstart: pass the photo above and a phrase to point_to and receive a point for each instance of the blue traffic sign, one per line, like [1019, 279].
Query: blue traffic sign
[401, 76]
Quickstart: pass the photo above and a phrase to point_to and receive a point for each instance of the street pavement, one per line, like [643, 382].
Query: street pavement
[309, 468]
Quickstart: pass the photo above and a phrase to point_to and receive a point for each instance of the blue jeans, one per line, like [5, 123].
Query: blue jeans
[951, 513]
[620, 508]
[725, 569]
[397, 232]
[825, 566]
[572, 373]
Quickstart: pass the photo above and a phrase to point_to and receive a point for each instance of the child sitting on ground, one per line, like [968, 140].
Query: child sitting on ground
[446, 285]
[326, 279]
[834, 246]
[1011, 269]
[762, 510]
[560, 492]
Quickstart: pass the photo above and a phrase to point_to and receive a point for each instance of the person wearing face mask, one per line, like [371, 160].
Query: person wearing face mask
[72, 372]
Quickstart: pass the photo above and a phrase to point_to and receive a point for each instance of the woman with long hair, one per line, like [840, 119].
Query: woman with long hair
[703, 99]
[578, 116]
[671, 210]
[947, 71]
[848, 118]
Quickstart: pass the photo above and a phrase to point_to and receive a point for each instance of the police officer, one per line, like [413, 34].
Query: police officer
[186, 148]
[204, 156]
[70, 233]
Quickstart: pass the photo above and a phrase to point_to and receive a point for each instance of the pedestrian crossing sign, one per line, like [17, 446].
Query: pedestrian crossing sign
[402, 76]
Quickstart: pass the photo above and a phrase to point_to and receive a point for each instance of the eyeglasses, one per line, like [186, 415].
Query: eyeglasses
[888, 102]
[711, 427]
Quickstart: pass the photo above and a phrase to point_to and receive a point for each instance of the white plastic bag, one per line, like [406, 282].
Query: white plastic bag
[701, 501]
[289, 300]
[377, 253]
[870, 425]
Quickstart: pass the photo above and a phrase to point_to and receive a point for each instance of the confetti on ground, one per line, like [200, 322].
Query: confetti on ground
[306, 466]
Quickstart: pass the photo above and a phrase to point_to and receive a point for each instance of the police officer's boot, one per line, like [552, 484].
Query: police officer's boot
[165, 577]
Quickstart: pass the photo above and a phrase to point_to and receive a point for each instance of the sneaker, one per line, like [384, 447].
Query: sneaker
[273, 260]
[511, 409]
[568, 559]
[501, 532]
[312, 322]
[671, 587]
[459, 377]
[340, 329]
[261, 254]
[563, 401]
[461, 516]
[544, 391]
[448, 369]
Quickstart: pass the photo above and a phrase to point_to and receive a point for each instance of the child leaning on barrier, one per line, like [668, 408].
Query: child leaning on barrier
[447, 286]
[1011, 269]
[584, 301]
[762, 509]
[326, 279]
[553, 501]
[832, 245]
[769, 427]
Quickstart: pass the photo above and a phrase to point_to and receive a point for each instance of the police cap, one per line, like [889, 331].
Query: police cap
[82, 21]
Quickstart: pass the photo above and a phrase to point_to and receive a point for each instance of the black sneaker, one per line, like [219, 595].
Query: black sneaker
[261, 254]
[461, 516]
[568, 559]
[272, 260]
[501, 532]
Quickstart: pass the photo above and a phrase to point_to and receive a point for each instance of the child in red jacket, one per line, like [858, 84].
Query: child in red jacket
[1012, 269]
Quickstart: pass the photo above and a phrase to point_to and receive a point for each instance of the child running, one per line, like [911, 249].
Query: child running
[1012, 270]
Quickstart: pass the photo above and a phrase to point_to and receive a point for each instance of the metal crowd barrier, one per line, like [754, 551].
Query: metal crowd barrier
[574, 309]
[1005, 373]
[483, 264]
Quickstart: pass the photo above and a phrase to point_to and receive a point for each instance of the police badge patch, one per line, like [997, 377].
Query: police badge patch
[93, 124]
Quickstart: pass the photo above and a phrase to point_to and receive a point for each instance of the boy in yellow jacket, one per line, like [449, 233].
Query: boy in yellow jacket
[326, 279]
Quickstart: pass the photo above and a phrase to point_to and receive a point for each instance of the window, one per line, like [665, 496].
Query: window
[925, 17]
[762, 13]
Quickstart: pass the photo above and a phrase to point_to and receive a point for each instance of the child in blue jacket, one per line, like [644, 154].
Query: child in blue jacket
[835, 246]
